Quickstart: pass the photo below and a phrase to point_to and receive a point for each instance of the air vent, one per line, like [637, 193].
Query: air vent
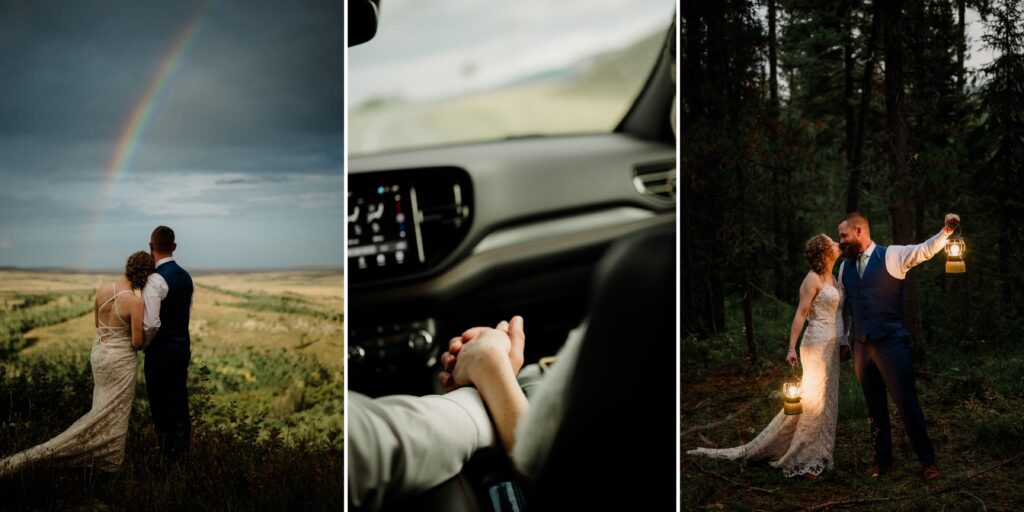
[453, 212]
[656, 179]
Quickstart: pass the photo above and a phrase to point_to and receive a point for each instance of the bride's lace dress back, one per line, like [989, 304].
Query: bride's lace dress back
[803, 443]
[98, 438]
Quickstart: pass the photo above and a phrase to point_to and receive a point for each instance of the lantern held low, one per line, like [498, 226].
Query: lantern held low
[791, 390]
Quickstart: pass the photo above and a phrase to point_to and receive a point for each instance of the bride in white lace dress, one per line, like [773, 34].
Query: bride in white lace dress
[802, 444]
[98, 438]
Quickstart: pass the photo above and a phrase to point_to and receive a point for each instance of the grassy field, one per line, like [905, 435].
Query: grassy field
[973, 400]
[266, 386]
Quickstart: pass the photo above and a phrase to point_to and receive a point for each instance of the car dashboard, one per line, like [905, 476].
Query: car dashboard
[447, 238]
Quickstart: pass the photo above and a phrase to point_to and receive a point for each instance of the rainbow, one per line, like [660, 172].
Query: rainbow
[138, 119]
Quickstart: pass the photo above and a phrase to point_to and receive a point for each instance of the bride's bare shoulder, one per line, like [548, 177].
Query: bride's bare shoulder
[811, 277]
[811, 282]
[102, 290]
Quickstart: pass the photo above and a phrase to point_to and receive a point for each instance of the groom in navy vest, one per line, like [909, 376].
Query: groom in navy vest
[872, 285]
[168, 300]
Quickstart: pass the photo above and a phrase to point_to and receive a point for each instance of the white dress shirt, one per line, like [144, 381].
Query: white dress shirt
[153, 294]
[402, 445]
[899, 259]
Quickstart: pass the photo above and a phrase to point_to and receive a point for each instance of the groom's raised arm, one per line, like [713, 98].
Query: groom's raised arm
[901, 258]
[152, 295]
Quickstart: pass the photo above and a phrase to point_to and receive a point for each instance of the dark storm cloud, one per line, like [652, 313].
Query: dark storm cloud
[258, 75]
[69, 66]
[244, 143]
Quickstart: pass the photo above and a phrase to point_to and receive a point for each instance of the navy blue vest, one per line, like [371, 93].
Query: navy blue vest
[174, 310]
[875, 300]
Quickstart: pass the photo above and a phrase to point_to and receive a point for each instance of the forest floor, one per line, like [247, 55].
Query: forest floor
[973, 401]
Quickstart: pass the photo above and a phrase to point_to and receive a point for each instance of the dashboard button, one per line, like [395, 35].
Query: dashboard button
[420, 341]
[356, 354]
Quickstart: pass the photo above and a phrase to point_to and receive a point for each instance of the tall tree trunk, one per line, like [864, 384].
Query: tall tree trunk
[848, 111]
[689, 323]
[773, 134]
[899, 205]
[734, 114]
[690, 97]
[717, 85]
[748, 312]
[778, 229]
[691, 76]
[867, 83]
[773, 58]
[961, 7]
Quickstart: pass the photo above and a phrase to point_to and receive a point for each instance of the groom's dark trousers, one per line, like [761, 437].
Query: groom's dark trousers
[886, 364]
[166, 379]
[167, 358]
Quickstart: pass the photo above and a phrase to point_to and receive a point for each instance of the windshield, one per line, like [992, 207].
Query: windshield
[449, 71]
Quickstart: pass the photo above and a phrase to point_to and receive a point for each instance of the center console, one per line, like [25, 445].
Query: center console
[402, 225]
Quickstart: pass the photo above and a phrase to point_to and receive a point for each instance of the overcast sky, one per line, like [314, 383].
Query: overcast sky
[242, 154]
[430, 49]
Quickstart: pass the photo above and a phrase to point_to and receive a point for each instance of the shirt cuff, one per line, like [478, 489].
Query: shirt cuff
[468, 399]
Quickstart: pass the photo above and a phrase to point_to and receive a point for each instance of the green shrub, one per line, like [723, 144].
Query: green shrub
[237, 465]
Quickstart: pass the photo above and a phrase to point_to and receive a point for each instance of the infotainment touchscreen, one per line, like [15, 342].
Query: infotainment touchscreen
[383, 231]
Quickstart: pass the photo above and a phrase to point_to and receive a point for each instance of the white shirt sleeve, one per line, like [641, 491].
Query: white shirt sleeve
[538, 428]
[402, 445]
[153, 294]
[899, 259]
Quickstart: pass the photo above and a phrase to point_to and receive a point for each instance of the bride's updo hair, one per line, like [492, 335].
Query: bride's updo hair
[816, 252]
[138, 268]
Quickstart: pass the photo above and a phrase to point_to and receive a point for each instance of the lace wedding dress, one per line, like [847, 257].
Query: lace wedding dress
[803, 443]
[98, 438]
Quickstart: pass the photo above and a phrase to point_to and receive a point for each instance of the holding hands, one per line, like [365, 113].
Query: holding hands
[482, 352]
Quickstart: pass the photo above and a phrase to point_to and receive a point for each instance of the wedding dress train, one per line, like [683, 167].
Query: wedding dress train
[98, 438]
[802, 444]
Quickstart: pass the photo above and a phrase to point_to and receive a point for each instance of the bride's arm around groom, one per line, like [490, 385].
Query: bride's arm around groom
[138, 336]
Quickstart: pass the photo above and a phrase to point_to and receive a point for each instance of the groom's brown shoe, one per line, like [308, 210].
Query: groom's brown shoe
[876, 470]
[930, 472]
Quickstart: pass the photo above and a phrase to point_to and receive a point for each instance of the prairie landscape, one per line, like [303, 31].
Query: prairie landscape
[265, 381]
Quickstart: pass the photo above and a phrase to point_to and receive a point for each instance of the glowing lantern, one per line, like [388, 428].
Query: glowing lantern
[792, 390]
[955, 248]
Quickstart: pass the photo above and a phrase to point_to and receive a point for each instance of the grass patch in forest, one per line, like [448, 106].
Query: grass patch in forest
[973, 400]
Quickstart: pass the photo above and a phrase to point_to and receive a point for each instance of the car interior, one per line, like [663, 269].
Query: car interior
[557, 229]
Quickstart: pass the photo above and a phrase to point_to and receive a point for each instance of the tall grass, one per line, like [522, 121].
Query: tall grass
[239, 464]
